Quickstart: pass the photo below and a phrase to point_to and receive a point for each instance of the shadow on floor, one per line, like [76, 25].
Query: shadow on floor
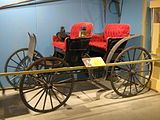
[11, 106]
[84, 85]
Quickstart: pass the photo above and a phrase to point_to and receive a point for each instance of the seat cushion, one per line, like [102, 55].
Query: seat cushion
[60, 45]
[97, 38]
[101, 45]
[98, 41]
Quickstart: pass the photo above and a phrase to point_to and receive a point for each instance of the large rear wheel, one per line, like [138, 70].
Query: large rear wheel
[130, 79]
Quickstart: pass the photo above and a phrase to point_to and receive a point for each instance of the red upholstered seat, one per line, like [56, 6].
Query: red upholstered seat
[74, 34]
[97, 40]
[116, 31]
[110, 31]
[55, 38]
[58, 44]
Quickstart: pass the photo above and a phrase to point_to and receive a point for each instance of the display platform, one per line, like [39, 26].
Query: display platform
[82, 103]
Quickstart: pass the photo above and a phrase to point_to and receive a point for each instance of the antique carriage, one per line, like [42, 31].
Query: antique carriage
[44, 92]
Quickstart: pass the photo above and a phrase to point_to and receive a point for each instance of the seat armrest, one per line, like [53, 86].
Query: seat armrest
[55, 38]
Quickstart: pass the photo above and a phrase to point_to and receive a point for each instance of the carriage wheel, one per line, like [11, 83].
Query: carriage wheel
[129, 80]
[19, 61]
[48, 91]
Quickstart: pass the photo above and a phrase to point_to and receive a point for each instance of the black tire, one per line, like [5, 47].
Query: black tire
[52, 88]
[19, 61]
[129, 80]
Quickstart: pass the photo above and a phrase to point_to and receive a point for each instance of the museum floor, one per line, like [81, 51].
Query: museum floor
[83, 106]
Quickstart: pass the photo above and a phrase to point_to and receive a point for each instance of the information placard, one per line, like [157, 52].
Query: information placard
[93, 62]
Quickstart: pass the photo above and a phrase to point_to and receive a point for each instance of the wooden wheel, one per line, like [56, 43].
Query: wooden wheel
[46, 92]
[19, 61]
[129, 80]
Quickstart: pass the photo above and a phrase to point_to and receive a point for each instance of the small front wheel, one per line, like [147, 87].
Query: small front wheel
[19, 61]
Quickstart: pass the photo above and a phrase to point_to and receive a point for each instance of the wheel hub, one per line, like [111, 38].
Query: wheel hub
[133, 72]
[48, 86]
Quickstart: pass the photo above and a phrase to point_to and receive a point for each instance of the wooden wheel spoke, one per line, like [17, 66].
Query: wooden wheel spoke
[125, 88]
[59, 91]
[138, 80]
[24, 54]
[139, 55]
[27, 62]
[13, 77]
[134, 53]
[138, 58]
[16, 82]
[39, 98]
[12, 66]
[130, 84]
[32, 90]
[21, 60]
[56, 96]
[121, 85]
[35, 95]
[50, 96]
[129, 59]
[126, 64]
[45, 99]
[38, 79]
[135, 83]
[142, 76]
[17, 63]
[18, 57]
[24, 61]
[49, 78]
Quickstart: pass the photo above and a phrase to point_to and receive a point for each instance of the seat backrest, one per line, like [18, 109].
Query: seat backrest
[75, 30]
[32, 44]
[116, 31]
[112, 34]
